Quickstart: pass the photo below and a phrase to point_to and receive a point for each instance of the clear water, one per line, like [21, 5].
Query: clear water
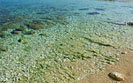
[61, 41]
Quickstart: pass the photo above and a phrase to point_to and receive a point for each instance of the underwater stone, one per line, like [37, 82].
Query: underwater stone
[3, 48]
[60, 17]
[35, 26]
[43, 34]
[62, 22]
[10, 26]
[14, 32]
[20, 29]
[2, 35]
[47, 18]
[50, 22]
[76, 13]
[124, 52]
[37, 22]
[63, 9]
[84, 9]
[42, 12]
[29, 32]
[11, 18]
[99, 9]
[93, 13]
[1, 42]
[65, 22]
[4, 29]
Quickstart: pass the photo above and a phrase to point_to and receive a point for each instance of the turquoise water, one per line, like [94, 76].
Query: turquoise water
[61, 41]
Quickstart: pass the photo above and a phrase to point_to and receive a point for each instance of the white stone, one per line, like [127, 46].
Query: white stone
[116, 76]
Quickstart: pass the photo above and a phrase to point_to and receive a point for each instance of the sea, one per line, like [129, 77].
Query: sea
[62, 41]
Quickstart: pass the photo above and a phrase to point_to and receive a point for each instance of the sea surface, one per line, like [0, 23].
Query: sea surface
[61, 41]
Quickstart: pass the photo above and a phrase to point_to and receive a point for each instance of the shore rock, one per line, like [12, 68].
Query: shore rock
[116, 76]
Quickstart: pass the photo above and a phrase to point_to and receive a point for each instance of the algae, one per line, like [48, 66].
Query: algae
[43, 34]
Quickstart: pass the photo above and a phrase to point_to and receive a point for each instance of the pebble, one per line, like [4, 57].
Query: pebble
[116, 76]
[123, 52]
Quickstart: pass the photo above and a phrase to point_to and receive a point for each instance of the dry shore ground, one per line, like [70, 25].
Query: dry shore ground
[125, 66]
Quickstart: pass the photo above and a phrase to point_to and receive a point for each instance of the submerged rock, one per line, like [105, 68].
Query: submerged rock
[130, 23]
[42, 13]
[43, 34]
[93, 13]
[124, 52]
[29, 32]
[76, 13]
[34, 26]
[14, 32]
[3, 48]
[84, 9]
[20, 29]
[99, 9]
[116, 76]
[4, 29]
[2, 35]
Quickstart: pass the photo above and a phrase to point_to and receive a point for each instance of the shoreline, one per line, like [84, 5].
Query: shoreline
[124, 66]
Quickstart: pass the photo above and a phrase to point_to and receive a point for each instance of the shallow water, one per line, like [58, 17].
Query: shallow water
[61, 41]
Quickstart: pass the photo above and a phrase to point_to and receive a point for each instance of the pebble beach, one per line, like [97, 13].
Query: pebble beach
[49, 42]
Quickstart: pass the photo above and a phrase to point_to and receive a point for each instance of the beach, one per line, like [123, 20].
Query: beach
[124, 67]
